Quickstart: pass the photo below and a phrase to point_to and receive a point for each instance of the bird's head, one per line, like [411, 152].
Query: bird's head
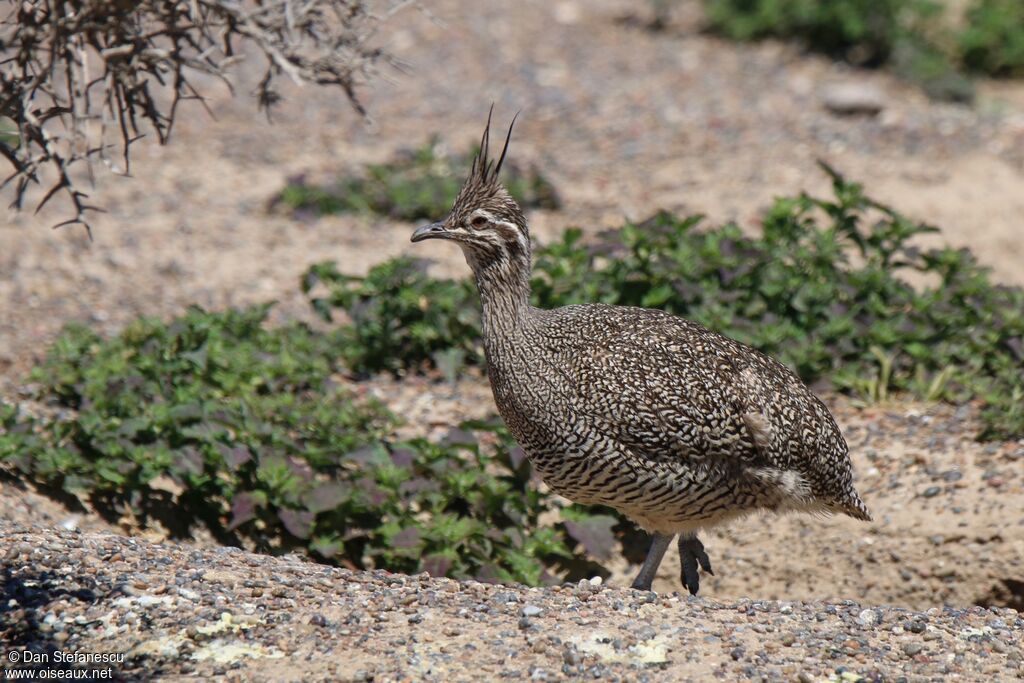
[485, 220]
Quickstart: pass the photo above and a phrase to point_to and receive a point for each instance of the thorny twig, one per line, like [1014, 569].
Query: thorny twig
[67, 64]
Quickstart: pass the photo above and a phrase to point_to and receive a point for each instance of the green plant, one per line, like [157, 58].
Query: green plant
[823, 288]
[420, 185]
[399, 317]
[863, 32]
[992, 39]
[912, 37]
[215, 420]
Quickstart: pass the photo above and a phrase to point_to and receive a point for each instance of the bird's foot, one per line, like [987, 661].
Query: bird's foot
[691, 554]
[659, 544]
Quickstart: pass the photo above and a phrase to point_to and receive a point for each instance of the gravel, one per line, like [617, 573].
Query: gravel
[183, 611]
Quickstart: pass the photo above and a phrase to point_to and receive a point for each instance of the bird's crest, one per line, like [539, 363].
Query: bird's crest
[484, 170]
[482, 187]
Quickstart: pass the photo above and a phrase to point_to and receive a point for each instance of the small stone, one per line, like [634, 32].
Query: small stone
[868, 617]
[647, 632]
[911, 649]
[188, 594]
[853, 98]
[525, 623]
[788, 639]
[531, 611]
[931, 492]
[914, 626]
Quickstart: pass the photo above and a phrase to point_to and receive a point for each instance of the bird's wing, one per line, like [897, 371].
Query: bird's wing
[668, 389]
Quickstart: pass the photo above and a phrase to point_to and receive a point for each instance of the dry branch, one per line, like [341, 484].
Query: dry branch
[83, 79]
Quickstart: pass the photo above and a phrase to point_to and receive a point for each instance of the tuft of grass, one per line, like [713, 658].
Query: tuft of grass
[825, 289]
[215, 420]
[419, 185]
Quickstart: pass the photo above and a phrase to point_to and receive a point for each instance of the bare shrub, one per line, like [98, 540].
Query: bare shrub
[83, 79]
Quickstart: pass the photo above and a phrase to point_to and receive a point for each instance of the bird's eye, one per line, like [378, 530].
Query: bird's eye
[478, 221]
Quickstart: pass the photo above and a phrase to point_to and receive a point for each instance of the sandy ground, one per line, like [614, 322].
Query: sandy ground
[624, 121]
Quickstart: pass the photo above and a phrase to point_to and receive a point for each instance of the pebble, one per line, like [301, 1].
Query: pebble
[853, 98]
[931, 492]
[911, 649]
[531, 611]
[869, 617]
[914, 626]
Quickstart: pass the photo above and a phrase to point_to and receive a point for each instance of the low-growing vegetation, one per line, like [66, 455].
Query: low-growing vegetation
[417, 185]
[992, 41]
[921, 40]
[215, 420]
[253, 432]
[835, 288]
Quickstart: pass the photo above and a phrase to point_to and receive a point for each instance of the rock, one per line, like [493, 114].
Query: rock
[868, 617]
[853, 98]
[531, 611]
[911, 649]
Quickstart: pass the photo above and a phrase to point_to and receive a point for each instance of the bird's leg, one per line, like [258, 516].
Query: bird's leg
[691, 553]
[659, 544]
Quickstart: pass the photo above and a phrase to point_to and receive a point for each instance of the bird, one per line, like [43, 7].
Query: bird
[676, 427]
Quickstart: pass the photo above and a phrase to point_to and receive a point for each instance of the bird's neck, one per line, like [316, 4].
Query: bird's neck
[504, 285]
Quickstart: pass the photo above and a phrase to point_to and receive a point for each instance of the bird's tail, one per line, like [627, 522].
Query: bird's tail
[854, 507]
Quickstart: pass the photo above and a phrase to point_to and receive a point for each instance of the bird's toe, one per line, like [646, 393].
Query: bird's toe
[692, 556]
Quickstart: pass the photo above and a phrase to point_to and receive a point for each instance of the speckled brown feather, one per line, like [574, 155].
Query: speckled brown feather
[677, 427]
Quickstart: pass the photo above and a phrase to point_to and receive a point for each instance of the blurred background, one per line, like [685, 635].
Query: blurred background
[714, 107]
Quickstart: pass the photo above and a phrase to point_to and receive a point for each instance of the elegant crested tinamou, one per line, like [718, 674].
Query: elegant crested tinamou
[675, 426]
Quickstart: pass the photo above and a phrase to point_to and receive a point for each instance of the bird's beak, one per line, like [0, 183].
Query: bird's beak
[426, 232]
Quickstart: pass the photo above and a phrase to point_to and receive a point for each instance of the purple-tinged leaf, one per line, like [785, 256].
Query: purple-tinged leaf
[407, 539]
[326, 497]
[366, 455]
[234, 456]
[489, 573]
[243, 509]
[436, 565]
[1017, 346]
[188, 460]
[418, 485]
[299, 523]
[375, 495]
[594, 533]
[403, 457]
[300, 468]
[516, 456]
[456, 436]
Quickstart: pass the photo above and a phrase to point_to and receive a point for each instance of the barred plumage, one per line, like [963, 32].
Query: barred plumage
[675, 426]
